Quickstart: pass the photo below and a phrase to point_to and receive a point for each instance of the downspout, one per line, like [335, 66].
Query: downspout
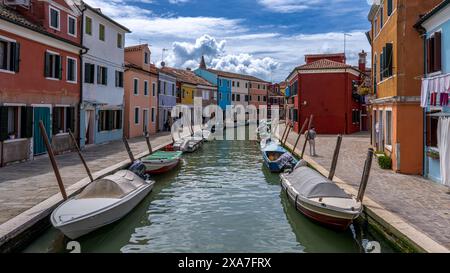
[425, 132]
[83, 51]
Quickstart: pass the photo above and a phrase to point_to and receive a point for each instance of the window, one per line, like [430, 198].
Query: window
[136, 87]
[220, 82]
[9, 55]
[53, 67]
[432, 126]
[109, 120]
[386, 59]
[205, 95]
[434, 54]
[228, 83]
[238, 97]
[233, 83]
[165, 88]
[264, 98]
[375, 74]
[54, 18]
[145, 88]
[119, 79]
[71, 69]
[89, 72]
[294, 88]
[63, 119]
[259, 98]
[88, 27]
[215, 95]
[101, 32]
[246, 85]
[119, 40]
[146, 58]
[389, 128]
[238, 84]
[250, 98]
[356, 116]
[295, 115]
[389, 7]
[16, 122]
[136, 115]
[375, 24]
[173, 89]
[259, 87]
[233, 97]
[102, 75]
[153, 89]
[381, 18]
[72, 26]
[153, 115]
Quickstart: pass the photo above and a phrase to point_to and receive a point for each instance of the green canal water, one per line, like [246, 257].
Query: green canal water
[220, 199]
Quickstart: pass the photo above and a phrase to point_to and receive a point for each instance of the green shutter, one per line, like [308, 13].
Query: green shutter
[26, 122]
[15, 57]
[381, 66]
[3, 123]
[389, 59]
[47, 65]
[59, 66]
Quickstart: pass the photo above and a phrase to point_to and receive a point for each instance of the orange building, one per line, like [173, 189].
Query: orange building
[141, 98]
[397, 65]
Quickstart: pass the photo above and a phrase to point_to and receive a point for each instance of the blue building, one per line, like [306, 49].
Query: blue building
[435, 28]
[167, 98]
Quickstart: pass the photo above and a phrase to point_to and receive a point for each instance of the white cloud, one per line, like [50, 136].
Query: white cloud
[289, 6]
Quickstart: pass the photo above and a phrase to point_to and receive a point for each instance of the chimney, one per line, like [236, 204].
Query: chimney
[362, 61]
[203, 63]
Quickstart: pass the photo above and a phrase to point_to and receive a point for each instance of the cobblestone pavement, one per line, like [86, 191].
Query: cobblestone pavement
[420, 202]
[25, 185]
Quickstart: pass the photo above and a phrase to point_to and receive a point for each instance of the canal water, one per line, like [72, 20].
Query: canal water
[221, 199]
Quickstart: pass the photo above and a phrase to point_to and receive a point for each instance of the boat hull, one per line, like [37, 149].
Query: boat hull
[161, 167]
[103, 216]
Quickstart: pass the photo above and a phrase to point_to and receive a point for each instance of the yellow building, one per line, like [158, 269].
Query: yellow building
[187, 94]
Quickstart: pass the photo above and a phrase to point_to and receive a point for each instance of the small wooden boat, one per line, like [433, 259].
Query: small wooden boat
[277, 159]
[102, 202]
[161, 161]
[320, 199]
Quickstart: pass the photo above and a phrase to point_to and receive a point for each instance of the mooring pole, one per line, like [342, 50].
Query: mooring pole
[335, 157]
[127, 146]
[365, 176]
[81, 155]
[51, 155]
[285, 129]
[300, 134]
[307, 136]
[287, 134]
[149, 145]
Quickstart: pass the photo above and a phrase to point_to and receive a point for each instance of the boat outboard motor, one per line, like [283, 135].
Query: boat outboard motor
[139, 169]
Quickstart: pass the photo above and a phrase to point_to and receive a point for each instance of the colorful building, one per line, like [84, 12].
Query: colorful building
[141, 98]
[167, 99]
[397, 119]
[435, 29]
[39, 75]
[258, 91]
[101, 115]
[326, 87]
[276, 98]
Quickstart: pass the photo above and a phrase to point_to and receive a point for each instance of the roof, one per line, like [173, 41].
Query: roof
[185, 76]
[325, 55]
[153, 69]
[100, 13]
[136, 47]
[323, 64]
[12, 16]
[235, 75]
[431, 13]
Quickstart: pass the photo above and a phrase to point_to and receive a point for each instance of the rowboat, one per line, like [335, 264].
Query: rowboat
[102, 202]
[161, 161]
[320, 199]
[276, 158]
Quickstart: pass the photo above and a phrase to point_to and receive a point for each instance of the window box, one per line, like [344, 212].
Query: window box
[433, 154]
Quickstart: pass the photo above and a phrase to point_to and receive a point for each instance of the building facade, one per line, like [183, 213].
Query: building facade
[141, 98]
[326, 88]
[167, 99]
[396, 116]
[101, 115]
[258, 91]
[435, 29]
[39, 75]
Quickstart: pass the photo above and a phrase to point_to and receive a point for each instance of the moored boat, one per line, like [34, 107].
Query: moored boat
[102, 202]
[161, 161]
[276, 158]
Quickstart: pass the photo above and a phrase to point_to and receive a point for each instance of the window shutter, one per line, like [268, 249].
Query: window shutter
[385, 62]
[389, 58]
[26, 122]
[105, 75]
[47, 65]
[429, 56]
[15, 57]
[389, 6]
[58, 67]
[119, 120]
[110, 120]
[70, 119]
[3, 123]
[98, 74]
[381, 66]
[437, 51]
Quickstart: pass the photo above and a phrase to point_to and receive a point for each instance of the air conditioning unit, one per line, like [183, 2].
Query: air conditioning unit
[23, 3]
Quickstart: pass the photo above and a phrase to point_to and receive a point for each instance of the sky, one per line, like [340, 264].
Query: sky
[263, 38]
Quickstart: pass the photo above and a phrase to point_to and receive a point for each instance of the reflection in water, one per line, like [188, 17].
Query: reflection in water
[221, 199]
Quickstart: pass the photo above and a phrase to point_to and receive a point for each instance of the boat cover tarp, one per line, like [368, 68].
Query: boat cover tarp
[117, 185]
[311, 184]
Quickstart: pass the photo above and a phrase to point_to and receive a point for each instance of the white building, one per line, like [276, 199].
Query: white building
[101, 115]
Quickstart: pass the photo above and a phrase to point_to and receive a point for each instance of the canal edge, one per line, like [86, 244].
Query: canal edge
[392, 227]
[27, 226]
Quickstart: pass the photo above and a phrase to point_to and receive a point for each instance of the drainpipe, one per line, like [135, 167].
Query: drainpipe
[83, 51]
[425, 132]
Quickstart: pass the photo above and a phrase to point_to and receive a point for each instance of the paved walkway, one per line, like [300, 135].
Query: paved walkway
[25, 185]
[420, 202]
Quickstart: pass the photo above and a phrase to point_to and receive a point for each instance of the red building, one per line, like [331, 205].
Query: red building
[40, 48]
[326, 87]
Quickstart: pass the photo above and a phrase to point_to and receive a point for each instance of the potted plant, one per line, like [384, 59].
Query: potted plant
[385, 162]
[433, 154]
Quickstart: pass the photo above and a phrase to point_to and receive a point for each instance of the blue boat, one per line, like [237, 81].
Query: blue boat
[277, 159]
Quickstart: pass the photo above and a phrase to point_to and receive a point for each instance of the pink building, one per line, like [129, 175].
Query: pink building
[141, 98]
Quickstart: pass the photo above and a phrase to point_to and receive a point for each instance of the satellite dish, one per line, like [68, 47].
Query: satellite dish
[163, 64]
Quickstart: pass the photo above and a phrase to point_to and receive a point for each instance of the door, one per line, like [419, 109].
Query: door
[145, 119]
[40, 113]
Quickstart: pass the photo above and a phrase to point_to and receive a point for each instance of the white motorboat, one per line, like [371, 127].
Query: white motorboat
[267, 141]
[188, 144]
[102, 202]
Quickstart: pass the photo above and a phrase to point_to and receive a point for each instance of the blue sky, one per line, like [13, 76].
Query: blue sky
[265, 38]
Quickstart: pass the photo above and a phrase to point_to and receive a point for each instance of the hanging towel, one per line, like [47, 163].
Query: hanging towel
[424, 94]
[443, 138]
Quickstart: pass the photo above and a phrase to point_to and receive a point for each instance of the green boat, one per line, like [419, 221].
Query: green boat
[161, 161]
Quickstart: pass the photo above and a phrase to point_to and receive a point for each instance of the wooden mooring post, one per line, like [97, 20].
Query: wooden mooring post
[290, 127]
[307, 136]
[149, 145]
[365, 176]
[51, 155]
[127, 146]
[81, 155]
[300, 134]
[284, 132]
[335, 157]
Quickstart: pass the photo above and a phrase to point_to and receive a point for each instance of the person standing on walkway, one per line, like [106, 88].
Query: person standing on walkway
[312, 141]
